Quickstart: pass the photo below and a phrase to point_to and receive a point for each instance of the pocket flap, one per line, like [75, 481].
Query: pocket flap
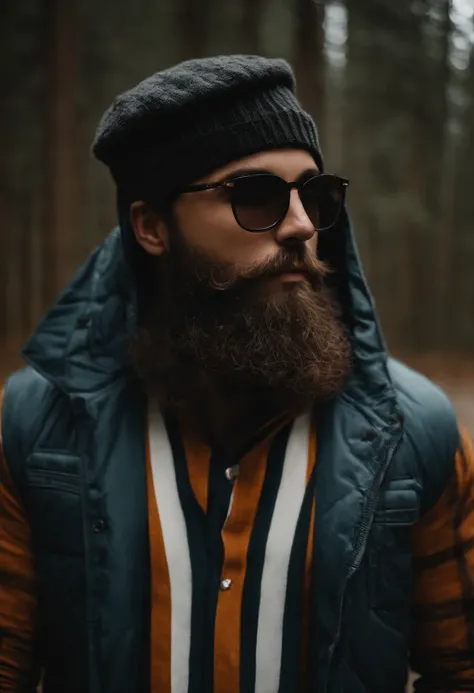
[54, 461]
[53, 470]
[399, 503]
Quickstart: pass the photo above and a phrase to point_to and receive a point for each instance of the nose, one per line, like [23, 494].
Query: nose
[296, 225]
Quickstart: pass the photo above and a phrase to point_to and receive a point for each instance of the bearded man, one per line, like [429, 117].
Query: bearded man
[214, 478]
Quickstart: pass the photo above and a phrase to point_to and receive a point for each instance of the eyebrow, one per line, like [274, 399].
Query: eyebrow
[250, 171]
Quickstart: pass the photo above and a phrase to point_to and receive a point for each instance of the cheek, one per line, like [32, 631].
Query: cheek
[243, 249]
[216, 233]
[312, 244]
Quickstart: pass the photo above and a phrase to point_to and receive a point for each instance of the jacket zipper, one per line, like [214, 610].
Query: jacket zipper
[360, 546]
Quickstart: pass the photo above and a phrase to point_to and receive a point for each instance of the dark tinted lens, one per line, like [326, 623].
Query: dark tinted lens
[259, 201]
[322, 198]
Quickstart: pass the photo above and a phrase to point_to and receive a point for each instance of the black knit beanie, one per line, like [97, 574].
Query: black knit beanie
[182, 123]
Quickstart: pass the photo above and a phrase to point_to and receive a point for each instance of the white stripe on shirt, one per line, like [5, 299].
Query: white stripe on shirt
[176, 544]
[277, 557]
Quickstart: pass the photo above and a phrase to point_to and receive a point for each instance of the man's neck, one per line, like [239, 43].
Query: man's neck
[234, 419]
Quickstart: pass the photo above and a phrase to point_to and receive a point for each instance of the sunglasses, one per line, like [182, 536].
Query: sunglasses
[260, 201]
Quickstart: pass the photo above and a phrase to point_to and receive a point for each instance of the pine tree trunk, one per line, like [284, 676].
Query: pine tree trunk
[194, 23]
[61, 175]
[309, 58]
[252, 11]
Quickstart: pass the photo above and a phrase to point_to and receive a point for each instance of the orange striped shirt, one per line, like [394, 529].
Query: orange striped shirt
[17, 586]
[213, 500]
[222, 533]
[443, 597]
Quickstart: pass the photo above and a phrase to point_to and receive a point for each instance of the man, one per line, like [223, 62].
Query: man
[213, 476]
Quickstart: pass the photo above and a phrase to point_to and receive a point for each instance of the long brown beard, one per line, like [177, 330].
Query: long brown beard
[204, 324]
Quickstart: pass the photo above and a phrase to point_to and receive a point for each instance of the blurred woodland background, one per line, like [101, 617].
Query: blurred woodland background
[390, 84]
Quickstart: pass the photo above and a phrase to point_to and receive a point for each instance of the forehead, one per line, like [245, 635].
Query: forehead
[287, 163]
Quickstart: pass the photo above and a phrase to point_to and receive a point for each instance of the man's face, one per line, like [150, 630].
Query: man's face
[207, 221]
[235, 306]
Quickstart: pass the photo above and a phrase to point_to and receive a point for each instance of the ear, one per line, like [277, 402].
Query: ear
[149, 228]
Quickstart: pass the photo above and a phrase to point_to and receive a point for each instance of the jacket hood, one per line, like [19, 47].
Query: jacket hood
[80, 345]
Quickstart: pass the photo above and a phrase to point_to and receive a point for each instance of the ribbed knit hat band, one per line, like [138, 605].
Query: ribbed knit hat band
[183, 123]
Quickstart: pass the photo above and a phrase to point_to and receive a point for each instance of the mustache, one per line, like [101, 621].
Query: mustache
[287, 261]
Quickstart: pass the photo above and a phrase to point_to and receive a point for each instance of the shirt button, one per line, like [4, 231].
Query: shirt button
[232, 473]
[225, 584]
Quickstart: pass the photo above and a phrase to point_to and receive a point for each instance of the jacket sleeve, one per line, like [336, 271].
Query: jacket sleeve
[443, 600]
[18, 600]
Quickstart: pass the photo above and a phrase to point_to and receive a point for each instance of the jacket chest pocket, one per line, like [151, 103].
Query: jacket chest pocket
[390, 546]
[53, 496]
